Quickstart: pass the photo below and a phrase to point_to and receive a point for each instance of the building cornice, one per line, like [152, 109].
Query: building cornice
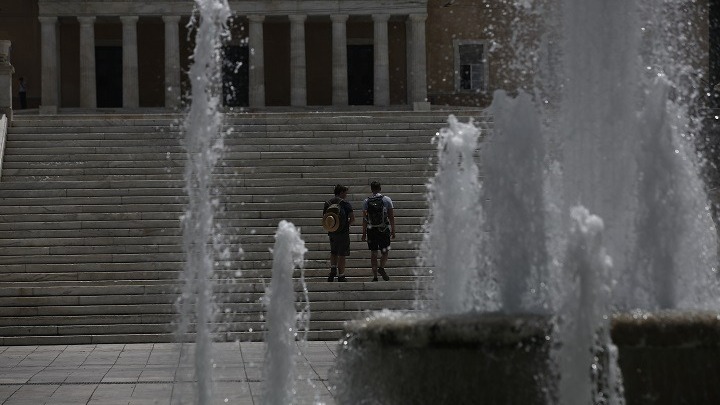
[65, 8]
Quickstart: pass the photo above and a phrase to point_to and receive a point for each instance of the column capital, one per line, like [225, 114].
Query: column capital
[86, 20]
[381, 17]
[256, 18]
[48, 19]
[129, 19]
[338, 18]
[170, 19]
[297, 18]
[418, 17]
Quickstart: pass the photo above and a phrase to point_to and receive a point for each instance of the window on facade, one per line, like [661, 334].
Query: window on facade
[470, 65]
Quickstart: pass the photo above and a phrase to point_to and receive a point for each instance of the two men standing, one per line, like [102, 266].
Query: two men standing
[378, 229]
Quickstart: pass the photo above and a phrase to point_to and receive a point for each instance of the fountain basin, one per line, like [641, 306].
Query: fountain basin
[667, 358]
[454, 359]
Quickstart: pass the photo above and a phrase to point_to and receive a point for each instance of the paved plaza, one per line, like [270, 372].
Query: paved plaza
[152, 373]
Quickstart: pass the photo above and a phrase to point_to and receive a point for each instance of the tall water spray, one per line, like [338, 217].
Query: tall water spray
[203, 143]
[583, 328]
[607, 131]
[282, 318]
[625, 131]
[512, 160]
[624, 143]
[453, 237]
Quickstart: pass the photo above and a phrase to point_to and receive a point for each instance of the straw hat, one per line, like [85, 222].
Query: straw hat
[331, 221]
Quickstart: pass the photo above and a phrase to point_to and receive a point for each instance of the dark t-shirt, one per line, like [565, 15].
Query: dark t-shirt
[345, 206]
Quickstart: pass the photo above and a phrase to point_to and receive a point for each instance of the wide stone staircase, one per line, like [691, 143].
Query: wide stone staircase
[91, 247]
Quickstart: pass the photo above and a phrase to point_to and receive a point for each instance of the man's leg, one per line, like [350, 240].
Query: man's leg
[341, 265]
[383, 258]
[374, 263]
[381, 267]
[333, 266]
[385, 249]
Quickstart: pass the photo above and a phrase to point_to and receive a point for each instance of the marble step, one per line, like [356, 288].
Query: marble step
[143, 156]
[302, 119]
[373, 137]
[306, 189]
[358, 263]
[268, 117]
[149, 319]
[358, 273]
[147, 338]
[249, 248]
[63, 306]
[119, 292]
[352, 178]
[145, 328]
[87, 257]
[108, 299]
[228, 193]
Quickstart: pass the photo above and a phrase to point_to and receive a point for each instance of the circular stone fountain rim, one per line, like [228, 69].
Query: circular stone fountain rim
[669, 328]
[438, 330]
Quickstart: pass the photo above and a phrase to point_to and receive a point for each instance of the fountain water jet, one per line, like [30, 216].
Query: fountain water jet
[453, 233]
[281, 318]
[203, 142]
[512, 158]
[583, 328]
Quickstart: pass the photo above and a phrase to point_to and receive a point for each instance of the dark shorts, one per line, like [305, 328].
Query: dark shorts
[378, 240]
[340, 244]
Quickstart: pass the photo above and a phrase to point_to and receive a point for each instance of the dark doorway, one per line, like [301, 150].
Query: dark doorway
[108, 76]
[235, 75]
[361, 74]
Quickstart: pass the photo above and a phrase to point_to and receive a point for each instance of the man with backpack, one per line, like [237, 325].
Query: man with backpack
[378, 228]
[337, 217]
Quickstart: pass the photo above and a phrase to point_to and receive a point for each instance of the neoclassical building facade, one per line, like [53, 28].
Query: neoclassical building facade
[130, 54]
[108, 68]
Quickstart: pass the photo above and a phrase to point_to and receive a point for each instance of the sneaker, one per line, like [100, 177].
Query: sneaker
[383, 274]
[374, 278]
[342, 278]
[331, 276]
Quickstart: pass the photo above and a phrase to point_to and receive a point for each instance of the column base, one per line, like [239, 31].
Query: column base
[48, 110]
[421, 106]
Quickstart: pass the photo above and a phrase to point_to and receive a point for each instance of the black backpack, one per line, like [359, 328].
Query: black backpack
[377, 217]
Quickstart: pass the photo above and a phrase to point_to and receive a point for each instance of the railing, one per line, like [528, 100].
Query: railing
[3, 135]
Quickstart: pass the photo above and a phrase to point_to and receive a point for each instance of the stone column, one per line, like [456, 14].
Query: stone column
[417, 63]
[256, 61]
[131, 91]
[48, 66]
[298, 79]
[88, 91]
[339, 60]
[172, 61]
[382, 65]
[6, 85]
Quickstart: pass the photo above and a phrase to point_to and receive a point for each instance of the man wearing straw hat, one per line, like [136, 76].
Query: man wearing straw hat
[337, 217]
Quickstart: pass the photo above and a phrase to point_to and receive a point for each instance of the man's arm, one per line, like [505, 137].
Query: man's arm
[391, 217]
[364, 225]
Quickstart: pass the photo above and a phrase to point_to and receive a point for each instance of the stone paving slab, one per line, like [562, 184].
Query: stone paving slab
[151, 374]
